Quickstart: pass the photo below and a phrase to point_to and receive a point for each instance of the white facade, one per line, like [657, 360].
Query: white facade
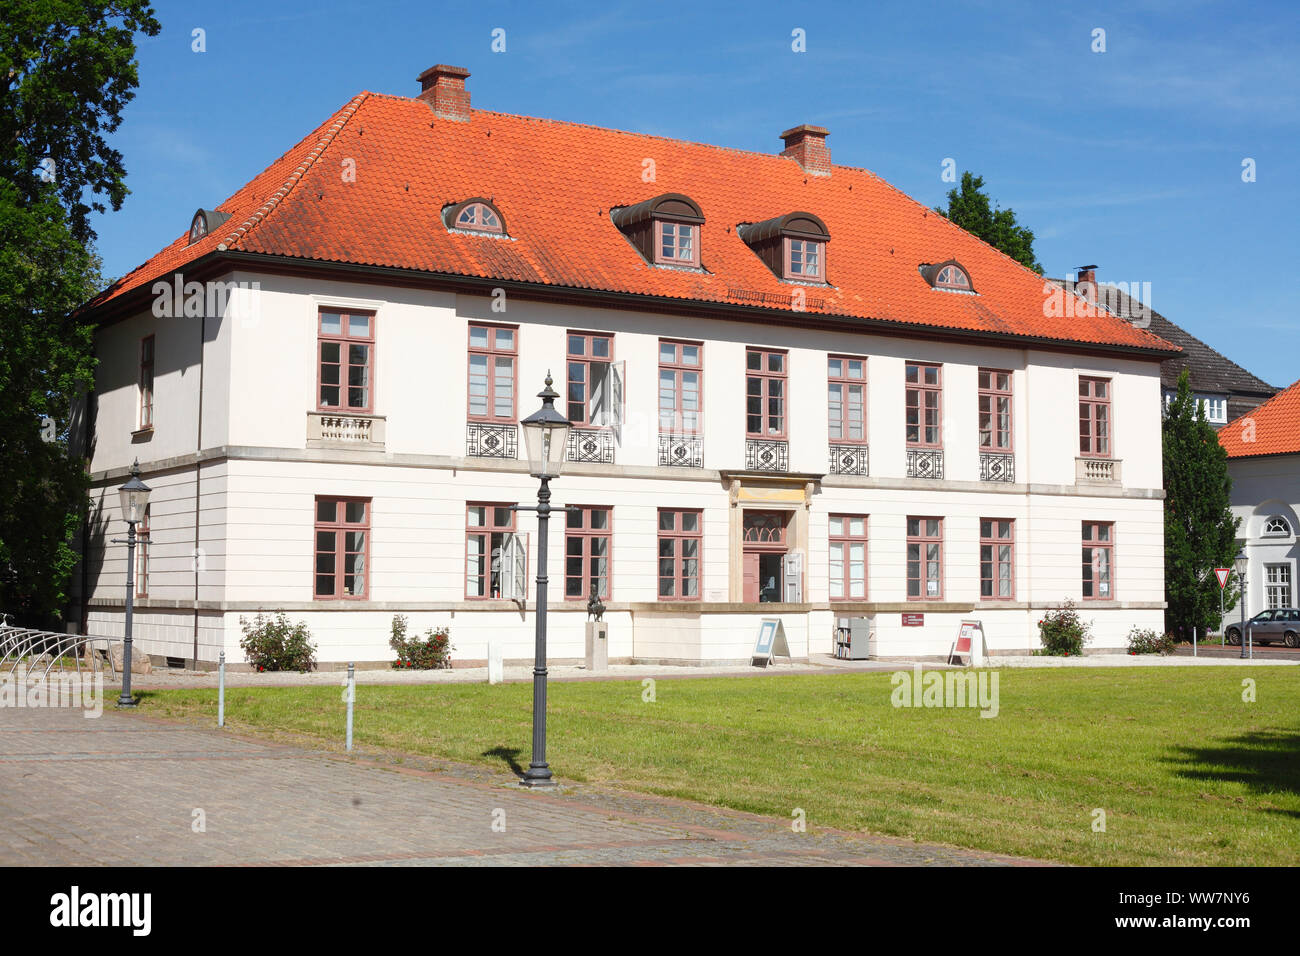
[235, 487]
[1266, 497]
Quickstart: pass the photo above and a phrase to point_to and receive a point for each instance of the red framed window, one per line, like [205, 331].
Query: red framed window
[590, 384]
[995, 409]
[681, 387]
[142, 555]
[346, 342]
[924, 559]
[1094, 417]
[950, 277]
[847, 398]
[1098, 561]
[493, 352]
[342, 548]
[678, 243]
[489, 531]
[924, 405]
[765, 381]
[805, 259]
[588, 535]
[146, 381]
[681, 538]
[479, 217]
[997, 559]
[848, 537]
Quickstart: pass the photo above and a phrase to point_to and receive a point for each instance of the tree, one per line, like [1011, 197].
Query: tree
[1200, 531]
[972, 209]
[68, 68]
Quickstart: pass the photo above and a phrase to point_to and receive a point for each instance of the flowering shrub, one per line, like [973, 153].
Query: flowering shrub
[1063, 632]
[274, 644]
[431, 652]
[1147, 641]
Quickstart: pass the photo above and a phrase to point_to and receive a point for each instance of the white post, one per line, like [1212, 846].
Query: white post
[496, 668]
[352, 694]
[221, 690]
[1194, 641]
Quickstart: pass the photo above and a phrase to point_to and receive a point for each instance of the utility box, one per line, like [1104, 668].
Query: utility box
[855, 638]
[597, 646]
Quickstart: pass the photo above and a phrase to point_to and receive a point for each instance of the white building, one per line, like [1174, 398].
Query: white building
[798, 393]
[1264, 461]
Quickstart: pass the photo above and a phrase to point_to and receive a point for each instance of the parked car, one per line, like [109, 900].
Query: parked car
[1278, 624]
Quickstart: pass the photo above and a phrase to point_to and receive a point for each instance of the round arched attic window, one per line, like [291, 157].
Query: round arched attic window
[476, 215]
[953, 278]
[198, 226]
[1277, 527]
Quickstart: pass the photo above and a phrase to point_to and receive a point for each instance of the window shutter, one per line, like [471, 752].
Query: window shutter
[792, 576]
[616, 416]
[514, 584]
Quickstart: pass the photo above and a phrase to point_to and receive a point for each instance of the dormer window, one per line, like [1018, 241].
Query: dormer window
[792, 246]
[665, 229]
[204, 221]
[949, 276]
[475, 215]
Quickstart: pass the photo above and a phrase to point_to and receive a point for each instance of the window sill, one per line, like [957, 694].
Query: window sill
[142, 434]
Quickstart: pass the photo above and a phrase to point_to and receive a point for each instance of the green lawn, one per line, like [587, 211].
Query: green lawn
[1186, 771]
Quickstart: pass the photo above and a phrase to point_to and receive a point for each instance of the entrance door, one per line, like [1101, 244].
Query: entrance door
[763, 551]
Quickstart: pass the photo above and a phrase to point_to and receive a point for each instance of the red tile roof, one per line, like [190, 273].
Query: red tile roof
[556, 182]
[1271, 429]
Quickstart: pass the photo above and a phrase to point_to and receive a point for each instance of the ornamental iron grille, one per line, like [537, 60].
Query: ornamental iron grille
[491, 441]
[924, 463]
[591, 445]
[849, 460]
[684, 451]
[763, 454]
[997, 467]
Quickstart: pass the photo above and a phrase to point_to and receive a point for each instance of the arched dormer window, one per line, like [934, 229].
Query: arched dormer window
[1277, 527]
[475, 215]
[204, 221]
[665, 229]
[949, 276]
[793, 246]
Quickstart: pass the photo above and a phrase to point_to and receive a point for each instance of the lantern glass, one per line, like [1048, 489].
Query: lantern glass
[1240, 562]
[545, 443]
[135, 498]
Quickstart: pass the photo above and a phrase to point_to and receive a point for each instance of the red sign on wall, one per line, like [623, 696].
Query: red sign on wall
[913, 620]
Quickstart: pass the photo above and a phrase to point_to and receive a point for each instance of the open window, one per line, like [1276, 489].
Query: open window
[595, 382]
[792, 576]
[510, 569]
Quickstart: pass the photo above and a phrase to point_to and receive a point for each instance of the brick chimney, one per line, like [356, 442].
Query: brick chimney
[1086, 284]
[443, 88]
[806, 145]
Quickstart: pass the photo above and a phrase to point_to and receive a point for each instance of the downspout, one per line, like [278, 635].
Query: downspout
[1029, 506]
[198, 478]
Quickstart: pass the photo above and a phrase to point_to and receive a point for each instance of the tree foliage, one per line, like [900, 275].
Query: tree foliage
[68, 68]
[1200, 530]
[971, 208]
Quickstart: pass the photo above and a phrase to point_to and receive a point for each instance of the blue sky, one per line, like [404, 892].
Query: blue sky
[1129, 158]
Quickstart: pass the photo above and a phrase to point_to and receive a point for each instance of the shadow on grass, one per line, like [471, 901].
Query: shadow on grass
[510, 755]
[1267, 762]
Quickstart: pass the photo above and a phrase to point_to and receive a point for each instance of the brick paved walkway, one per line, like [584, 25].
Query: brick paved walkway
[123, 789]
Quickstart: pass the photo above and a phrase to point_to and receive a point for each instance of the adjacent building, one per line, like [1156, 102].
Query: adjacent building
[1264, 462]
[795, 392]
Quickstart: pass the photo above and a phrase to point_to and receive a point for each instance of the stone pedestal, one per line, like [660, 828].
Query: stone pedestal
[597, 646]
[496, 669]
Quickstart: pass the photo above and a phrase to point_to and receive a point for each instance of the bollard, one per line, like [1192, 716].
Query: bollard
[352, 693]
[221, 690]
[1193, 642]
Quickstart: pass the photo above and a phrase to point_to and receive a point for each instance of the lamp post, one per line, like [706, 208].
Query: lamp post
[135, 498]
[546, 434]
[1241, 562]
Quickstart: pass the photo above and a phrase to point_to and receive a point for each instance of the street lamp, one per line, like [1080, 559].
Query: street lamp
[546, 434]
[1241, 562]
[135, 498]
